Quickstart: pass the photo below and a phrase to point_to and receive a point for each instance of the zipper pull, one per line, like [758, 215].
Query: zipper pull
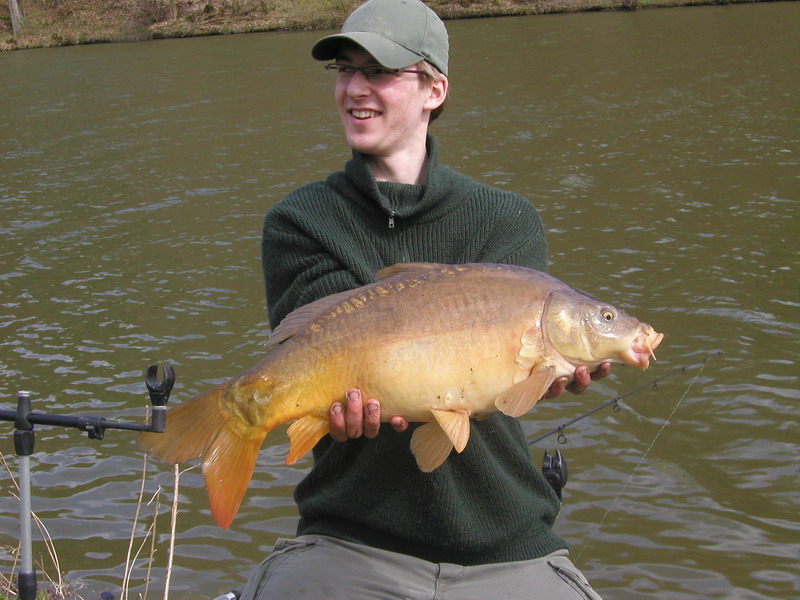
[391, 220]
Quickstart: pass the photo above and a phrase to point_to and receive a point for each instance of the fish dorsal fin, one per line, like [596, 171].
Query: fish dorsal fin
[455, 424]
[304, 435]
[404, 268]
[430, 446]
[522, 396]
[302, 316]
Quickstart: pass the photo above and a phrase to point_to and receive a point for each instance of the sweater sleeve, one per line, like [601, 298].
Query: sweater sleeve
[297, 268]
[517, 237]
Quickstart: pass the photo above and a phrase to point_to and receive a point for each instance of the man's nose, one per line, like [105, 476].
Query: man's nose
[358, 84]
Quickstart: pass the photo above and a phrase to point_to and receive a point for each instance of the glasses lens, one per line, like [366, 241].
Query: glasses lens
[374, 74]
[379, 74]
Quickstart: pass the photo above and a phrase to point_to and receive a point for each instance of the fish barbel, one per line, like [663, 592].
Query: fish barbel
[434, 343]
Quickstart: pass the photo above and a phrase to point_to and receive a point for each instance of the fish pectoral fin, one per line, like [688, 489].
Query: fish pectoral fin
[430, 446]
[304, 435]
[455, 424]
[522, 396]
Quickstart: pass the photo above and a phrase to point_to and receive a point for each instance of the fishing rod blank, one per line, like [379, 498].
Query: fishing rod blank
[562, 438]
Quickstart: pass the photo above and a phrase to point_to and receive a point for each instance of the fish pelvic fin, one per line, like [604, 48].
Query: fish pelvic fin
[430, 446]
[200, 428]
[455, 424]
[522, 396]
[304, 434]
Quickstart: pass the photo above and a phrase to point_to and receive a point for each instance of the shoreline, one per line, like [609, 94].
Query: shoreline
[74, 22]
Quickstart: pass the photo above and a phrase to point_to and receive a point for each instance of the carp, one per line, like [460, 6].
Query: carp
[434, 343]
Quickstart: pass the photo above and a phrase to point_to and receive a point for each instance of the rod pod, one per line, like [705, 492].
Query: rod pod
[24, 440]
[23, 445]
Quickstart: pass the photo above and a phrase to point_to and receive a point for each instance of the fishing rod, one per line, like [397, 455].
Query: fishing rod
[653, 383]
[24, 439]
[554, 466]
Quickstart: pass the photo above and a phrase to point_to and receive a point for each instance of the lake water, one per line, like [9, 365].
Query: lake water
[661, 148]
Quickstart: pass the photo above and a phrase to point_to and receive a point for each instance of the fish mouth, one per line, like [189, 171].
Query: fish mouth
[642, 348]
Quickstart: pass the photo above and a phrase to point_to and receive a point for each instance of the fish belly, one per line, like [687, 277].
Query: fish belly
[462, 370]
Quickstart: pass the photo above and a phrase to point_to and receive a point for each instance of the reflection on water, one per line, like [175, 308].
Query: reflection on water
[662, 150]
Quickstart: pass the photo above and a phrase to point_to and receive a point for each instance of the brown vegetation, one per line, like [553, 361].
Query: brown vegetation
[64, 22]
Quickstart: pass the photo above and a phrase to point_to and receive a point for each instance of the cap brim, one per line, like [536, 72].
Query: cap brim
[385, 51]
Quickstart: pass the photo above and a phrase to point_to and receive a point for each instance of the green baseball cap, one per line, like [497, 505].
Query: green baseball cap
[397, 33]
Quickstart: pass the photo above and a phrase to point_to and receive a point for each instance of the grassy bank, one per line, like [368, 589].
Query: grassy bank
[67, 22]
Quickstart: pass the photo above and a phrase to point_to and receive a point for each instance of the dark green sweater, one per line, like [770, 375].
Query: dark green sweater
[488, 504]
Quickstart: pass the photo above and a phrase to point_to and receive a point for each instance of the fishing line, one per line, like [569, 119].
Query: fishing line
[615, 401]
[643, 457]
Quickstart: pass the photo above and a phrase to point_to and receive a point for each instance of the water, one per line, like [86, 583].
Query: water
[661, 148]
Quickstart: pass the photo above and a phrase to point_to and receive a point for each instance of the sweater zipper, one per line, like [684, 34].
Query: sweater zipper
[391, 220]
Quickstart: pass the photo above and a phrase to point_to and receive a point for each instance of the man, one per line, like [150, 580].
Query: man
[372, 525]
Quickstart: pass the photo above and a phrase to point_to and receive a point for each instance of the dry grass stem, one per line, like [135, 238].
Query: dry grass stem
[58, 588]
[157, 498]
[128, 562]
[173, 523]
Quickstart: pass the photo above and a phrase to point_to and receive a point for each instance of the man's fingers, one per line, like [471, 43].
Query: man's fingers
[354, 417]
[581, 381]
[399, 424]
[557, 387]
[372, 418]
[338, 431]
[354, 414]
[603, 370]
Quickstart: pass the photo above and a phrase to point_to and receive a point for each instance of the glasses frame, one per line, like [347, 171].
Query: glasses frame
[371, 73]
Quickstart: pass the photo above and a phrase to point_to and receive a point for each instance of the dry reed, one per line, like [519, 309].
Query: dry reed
[59, 589]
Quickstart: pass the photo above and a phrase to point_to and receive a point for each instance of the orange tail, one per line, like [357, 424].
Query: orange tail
[201, 428]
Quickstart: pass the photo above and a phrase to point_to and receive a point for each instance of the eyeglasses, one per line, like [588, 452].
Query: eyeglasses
[373, 73]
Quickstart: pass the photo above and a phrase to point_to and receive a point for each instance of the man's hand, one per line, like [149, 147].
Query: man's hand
[581, 381]
[355, 418]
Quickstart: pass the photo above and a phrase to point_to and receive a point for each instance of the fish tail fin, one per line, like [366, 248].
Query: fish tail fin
[228, 468]
[228, 448]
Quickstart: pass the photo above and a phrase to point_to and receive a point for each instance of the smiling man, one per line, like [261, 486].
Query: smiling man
[372, 525]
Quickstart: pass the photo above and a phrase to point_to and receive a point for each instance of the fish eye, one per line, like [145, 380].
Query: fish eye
[607, 314]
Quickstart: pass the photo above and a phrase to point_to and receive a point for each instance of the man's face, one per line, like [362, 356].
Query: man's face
[382, 117]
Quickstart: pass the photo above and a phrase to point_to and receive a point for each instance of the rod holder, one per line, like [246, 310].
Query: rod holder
[24, 441]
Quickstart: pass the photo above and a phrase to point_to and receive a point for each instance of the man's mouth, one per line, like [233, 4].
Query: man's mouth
[364, 114]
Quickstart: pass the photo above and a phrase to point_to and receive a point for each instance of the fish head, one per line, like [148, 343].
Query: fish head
[584, 330]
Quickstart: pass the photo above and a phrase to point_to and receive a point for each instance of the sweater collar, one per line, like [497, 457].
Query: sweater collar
[404, 201]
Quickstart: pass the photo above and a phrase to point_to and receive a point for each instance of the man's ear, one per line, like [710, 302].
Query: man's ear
[437, 93]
